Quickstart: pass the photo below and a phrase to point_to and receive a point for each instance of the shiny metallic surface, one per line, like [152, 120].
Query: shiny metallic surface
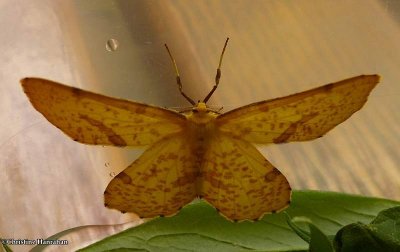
[50, 183]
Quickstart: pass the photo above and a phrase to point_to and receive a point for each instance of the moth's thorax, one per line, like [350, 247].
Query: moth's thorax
[201, 128]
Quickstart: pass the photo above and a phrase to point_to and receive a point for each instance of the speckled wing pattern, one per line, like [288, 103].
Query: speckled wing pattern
[96, 119]
[240, 182]
[231, 174]
[159, 182]
[298, 117]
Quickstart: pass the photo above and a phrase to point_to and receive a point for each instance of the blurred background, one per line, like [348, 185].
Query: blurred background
[49, 183]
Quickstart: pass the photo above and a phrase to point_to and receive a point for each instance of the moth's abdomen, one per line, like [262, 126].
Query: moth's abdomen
[199, 136]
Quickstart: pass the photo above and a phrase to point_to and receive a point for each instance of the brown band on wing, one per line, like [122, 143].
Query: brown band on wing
[282, 138]
[111, 135]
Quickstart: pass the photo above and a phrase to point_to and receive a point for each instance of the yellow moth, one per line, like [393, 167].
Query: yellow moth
[198, 153]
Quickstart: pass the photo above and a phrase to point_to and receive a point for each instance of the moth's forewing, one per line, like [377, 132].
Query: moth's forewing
[298, 117]
[97, 119]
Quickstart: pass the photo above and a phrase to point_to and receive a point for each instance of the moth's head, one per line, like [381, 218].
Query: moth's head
[201, 113]
[200, 107]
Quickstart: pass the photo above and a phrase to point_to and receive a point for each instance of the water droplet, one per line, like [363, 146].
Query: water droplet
[112, 174]
[112, 45]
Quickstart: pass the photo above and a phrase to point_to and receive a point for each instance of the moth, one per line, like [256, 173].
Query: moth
[200, 152]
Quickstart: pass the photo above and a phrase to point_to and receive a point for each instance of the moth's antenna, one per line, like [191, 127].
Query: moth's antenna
[178, 78]
[218, 75]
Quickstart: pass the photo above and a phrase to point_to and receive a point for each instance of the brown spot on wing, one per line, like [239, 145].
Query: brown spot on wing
[264, 108]
[271, 176]
[328, 87]
[140, 110]
[76, 91]
[126, 179]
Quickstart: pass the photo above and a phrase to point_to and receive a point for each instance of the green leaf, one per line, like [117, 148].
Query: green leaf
[199, 227]
[383, 234]
[319, 241]
[4, 246]
[386, 226]
[40, 248]
[315, 237]
[305, 235]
